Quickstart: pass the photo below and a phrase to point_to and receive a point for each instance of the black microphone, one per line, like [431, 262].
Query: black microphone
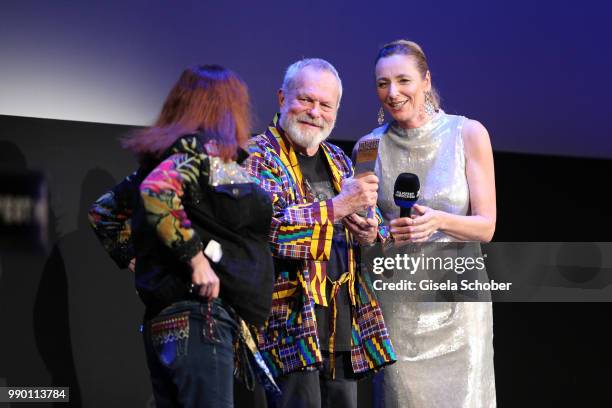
[406, 192]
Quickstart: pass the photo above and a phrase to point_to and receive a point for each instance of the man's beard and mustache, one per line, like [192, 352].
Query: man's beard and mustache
[307, 138]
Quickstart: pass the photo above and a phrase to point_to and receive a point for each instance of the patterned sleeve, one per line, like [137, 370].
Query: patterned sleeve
[298, 231]
[110, 218]
[162, 192]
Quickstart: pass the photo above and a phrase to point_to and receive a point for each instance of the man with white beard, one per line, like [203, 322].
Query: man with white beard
[325, 329]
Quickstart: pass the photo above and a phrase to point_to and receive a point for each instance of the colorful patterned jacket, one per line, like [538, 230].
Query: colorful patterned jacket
[178, 198]
[301, 239]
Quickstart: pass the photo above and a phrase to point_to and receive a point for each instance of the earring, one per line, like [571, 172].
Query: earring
[428, 106]
[381, 116]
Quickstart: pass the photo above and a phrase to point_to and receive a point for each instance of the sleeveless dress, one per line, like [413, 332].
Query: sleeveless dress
[444, 349]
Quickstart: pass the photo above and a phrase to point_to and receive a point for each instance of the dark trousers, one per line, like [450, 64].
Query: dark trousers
[194, 369]
[316, 389]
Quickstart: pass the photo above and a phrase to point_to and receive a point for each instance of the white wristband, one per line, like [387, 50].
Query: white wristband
[213, 251]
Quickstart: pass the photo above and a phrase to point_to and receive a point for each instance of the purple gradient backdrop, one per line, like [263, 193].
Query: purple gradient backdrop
[536, 74]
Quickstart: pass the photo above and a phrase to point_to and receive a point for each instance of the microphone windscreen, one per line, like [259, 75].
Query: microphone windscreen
[406, 190]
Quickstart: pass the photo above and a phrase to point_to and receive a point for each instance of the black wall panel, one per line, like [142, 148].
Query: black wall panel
[70, 317]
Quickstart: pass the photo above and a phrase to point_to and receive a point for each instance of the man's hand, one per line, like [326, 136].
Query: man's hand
[358, 193]
[204, 277]
[365, 230]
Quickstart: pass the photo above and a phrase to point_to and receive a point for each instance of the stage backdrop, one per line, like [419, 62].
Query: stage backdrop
[69, 317]
[536, 73]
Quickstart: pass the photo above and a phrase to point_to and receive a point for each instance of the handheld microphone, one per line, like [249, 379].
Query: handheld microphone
[406, 192]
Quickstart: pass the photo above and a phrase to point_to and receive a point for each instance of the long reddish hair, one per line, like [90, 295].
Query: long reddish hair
[206, 98]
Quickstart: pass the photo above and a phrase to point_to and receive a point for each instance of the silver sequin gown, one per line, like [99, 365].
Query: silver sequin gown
[445, 350]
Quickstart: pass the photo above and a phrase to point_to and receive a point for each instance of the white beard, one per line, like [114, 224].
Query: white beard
[309, 138]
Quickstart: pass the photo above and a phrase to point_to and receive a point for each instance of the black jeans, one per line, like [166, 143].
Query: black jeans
[189, 349]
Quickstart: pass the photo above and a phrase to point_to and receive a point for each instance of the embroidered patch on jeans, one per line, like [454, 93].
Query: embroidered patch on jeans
[169, 335]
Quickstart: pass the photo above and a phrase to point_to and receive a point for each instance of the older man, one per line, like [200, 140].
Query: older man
[325, 328]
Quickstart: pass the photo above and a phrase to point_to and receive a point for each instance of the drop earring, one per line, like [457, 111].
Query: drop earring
[381, 116]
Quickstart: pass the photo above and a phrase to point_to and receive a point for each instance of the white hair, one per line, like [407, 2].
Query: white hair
[316, 63]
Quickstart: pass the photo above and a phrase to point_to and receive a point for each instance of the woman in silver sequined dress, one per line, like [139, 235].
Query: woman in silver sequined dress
[445, 350]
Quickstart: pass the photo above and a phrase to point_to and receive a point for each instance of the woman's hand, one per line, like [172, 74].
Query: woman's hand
[365, 230]
[419, 227]
[425, 223]
[204, 277]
